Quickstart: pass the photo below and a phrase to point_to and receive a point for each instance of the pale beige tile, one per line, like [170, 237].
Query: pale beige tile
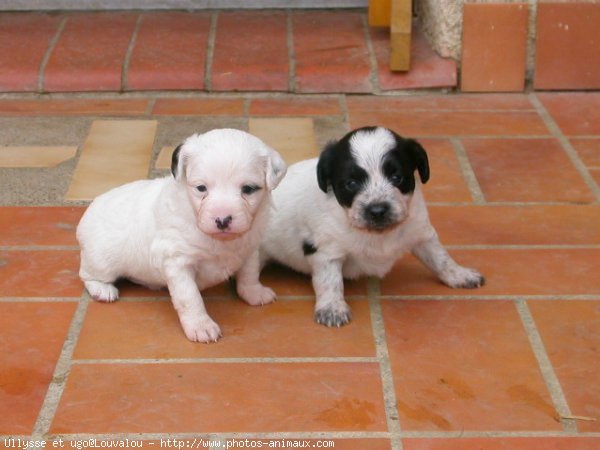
[35, 156]
[164, 158]
[293, 137]
[115, 152]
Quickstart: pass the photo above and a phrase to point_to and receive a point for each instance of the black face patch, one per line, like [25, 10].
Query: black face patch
[337, 169]
[400, 163]
[308, 248]
[175, 160]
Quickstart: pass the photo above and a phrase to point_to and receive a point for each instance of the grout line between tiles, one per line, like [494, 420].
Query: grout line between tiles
[233, 435]
[468, 172]
[374, 75]
[291, 52]
[210, 51]
[34, 248]
[316, 435]
[387, 380]
[241, 360]
[344, 110]
[523, 246]
[39, 299]
[49, 50]
[129, 52]
[150, 107]
[61, 371]
[566, 145]
[549, 297]
[547, 370]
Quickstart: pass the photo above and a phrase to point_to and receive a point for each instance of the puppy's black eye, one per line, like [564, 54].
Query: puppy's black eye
[396, 178]
[248, 189]
[201, 188]
[352, 185]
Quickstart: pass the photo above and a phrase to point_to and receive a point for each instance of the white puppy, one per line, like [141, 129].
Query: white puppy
[354, 212]
[189, 231]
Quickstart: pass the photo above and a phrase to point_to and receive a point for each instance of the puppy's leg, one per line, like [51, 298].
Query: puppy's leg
[103, 292]
[331, 308]
[186, 298]
[435, 257]
[248, 283]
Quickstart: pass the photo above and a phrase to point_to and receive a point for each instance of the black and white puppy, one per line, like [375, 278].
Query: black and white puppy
[355, 211]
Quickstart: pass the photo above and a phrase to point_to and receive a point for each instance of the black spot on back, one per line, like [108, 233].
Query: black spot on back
[308, 248]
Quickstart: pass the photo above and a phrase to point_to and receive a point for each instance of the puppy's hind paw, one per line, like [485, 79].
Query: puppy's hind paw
[103, 292]
[333, 315]
[464, 278]
[257, 294]
[201, 330]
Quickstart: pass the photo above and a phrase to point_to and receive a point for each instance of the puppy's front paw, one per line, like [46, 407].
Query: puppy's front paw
[464, 278]
[333, 315]
[103, 292]
[256, 295]
[201, 330]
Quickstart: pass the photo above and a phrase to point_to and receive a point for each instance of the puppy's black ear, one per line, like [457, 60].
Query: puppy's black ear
[324, 166]
[175, 160]
[420, 157]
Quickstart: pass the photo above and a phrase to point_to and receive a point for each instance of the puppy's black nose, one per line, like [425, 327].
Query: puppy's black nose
[223, 224]
[377, 211]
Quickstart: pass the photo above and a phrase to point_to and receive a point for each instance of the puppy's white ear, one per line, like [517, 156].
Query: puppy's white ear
[276, 168]
[178, 163]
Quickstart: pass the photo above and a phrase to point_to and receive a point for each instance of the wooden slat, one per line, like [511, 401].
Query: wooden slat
[380, 13]
[293, 137]
[115, 152]
[401, 23]
[35, 156]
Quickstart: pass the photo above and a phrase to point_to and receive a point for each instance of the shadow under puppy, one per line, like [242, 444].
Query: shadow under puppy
[189, 231]
[355, 211]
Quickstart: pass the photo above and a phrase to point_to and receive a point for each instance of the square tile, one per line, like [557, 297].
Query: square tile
[465, 365]
[281, 329]
[458, 102]
[566, 53]
[570, 331]
[39, 225]
[160, 61]
[40, 273]
[199, 107]
[250, 52]
[179, 398]
[503, 443]
[73, 107]
[575, 113]
[588, 150]
[494, 47]
[446, 183]
[295, 106]
[525, 170]
[506, 272]
[28, 357]
[517, 225]
[452, 123]
[326, 61]
[90, 52]
[293, 137]
[24, 40]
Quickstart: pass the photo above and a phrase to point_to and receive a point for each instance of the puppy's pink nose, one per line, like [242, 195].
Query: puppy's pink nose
[223, 223]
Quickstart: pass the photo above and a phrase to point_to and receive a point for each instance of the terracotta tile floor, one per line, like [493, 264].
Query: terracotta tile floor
[513, 365]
